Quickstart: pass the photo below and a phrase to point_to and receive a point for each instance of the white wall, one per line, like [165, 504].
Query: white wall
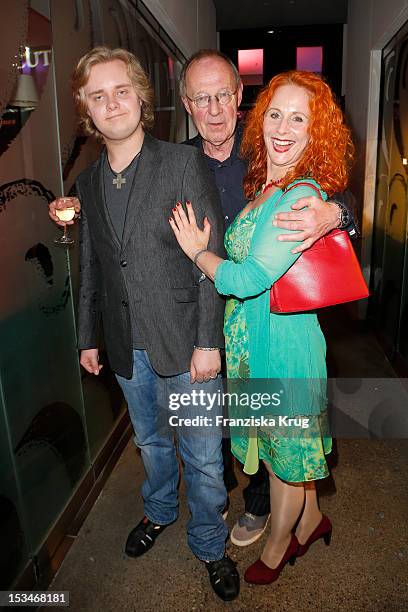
[371, 24]
[189, 23]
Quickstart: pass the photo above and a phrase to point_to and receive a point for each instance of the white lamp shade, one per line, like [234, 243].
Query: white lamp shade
[25, 93]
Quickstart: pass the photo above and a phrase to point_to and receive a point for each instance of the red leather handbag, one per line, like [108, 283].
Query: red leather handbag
[326, 274]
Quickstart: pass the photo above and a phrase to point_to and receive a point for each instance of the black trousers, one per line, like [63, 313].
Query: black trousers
[256, 494]
[230, 480]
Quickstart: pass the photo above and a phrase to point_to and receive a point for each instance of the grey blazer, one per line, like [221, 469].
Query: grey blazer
[147, 273]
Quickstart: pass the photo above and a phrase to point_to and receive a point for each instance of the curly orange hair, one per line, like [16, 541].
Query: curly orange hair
[330, 151]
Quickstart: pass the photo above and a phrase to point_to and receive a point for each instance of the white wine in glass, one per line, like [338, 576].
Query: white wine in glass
[65, 212]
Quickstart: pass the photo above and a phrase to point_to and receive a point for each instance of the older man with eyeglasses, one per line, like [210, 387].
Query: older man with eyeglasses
[211, 90]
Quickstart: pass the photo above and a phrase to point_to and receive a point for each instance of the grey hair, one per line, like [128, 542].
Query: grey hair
[202, 54]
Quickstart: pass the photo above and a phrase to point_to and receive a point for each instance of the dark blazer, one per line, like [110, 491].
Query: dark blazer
[147, 274]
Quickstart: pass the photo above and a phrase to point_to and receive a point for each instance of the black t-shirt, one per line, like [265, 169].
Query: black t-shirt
[117, 190]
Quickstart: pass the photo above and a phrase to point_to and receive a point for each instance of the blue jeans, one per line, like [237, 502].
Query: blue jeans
[147, 395]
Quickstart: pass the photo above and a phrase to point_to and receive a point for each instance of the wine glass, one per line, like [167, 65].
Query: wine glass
[65, 211]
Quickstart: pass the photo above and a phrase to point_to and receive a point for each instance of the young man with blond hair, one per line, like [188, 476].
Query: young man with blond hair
[162, 321]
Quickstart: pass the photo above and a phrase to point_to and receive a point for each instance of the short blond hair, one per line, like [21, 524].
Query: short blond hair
[138, 78]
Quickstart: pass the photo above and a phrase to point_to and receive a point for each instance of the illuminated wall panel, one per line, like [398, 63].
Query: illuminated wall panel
[309, 58]
[251, 66]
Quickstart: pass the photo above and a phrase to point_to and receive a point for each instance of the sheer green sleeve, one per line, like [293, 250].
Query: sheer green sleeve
[268, 258]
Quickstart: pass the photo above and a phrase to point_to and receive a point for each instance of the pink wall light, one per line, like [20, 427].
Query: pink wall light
[250, 66]
[309, 58]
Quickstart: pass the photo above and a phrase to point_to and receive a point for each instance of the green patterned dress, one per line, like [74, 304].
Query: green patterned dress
[271, 347]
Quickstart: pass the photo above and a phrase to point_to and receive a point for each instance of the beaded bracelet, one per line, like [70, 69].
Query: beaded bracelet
[206, 348]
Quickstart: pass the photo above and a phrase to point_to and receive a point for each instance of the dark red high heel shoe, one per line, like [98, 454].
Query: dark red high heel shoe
[323, 530]
[260, 573]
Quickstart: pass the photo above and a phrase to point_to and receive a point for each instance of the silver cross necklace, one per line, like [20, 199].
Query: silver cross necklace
[120, 180]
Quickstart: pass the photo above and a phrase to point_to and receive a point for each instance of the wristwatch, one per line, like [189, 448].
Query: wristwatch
[344, 216]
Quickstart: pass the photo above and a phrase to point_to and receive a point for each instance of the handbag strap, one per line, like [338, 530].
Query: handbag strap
[318, 192]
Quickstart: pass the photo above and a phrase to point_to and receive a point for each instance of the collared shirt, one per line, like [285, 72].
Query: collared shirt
[229, 176]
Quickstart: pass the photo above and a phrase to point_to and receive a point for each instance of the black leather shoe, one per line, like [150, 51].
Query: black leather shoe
[224, 578]
[142, 537]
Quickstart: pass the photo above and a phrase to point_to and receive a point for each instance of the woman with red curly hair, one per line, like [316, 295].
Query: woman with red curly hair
[294, 135]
